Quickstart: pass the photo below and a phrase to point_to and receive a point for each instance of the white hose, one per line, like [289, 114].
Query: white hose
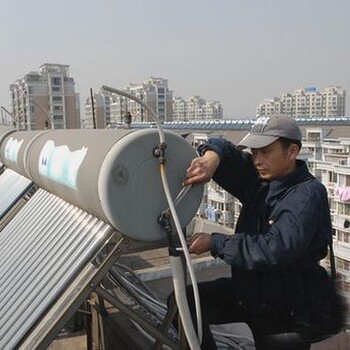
[186, 254]
[181, 300]
[180, 294]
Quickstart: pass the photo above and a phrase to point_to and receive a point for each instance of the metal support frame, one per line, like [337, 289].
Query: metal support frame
[137, 317]
[159, 333]
[172, 310]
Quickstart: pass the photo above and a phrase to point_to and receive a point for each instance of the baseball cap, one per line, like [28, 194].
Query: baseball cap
[268, 129]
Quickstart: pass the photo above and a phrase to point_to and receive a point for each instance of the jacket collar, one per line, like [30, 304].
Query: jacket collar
[278, 186]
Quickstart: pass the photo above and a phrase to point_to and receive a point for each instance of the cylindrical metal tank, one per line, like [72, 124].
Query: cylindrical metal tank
[5, 131]
[14, 149]
[112, 174]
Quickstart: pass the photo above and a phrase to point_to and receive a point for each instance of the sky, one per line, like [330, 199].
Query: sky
[237, 52]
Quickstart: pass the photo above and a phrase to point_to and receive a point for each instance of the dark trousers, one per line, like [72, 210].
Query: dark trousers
[218, 306]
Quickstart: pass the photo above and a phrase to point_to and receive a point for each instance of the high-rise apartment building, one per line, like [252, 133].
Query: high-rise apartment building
[101, 111]
[180, 109]
[270, 106]
[113, 108]
[306, 102]
[154, 92]
[196, 108]
[45, 99]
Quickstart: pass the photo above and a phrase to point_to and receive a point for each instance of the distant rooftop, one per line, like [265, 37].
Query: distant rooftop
[238, 124]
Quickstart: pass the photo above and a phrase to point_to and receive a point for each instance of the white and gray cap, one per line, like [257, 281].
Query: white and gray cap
[267, 130]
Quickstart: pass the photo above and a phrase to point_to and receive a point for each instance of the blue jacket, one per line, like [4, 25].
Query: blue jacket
[283, 231]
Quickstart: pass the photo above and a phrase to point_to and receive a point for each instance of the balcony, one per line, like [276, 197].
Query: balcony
[341, 249]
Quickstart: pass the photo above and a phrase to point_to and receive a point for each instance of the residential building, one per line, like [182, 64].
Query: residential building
[111, 108]
[180, 109]
[270, 106]
[154, 92]
[46, 99]
[213, 110]
[102, 111]
[196, 108]
[306, 102]
[118, 109]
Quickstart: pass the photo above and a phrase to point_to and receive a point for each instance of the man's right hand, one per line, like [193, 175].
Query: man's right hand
[202, 169]
[199, 243]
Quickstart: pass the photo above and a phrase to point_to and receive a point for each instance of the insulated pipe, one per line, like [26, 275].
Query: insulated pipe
[182, 303]
[188, 263]
[112, 174]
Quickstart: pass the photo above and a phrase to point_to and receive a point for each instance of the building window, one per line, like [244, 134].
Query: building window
[333, 177]
[342, 264]
[56, 98]
[56, 81]
[346, 237]
[344, 209]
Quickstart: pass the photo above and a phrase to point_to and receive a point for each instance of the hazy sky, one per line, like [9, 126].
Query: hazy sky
[237, 52]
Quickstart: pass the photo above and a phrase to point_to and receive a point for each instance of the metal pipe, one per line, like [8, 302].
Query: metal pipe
[93, 109]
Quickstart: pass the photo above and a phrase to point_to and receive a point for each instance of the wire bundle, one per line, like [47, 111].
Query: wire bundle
[130, 289]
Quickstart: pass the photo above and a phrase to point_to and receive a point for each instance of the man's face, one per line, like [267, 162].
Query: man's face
[274, 160]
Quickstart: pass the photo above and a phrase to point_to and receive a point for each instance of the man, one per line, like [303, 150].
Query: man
[283, 231]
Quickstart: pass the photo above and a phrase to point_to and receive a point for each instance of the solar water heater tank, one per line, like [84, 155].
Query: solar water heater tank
[5, 131]
[112, 174]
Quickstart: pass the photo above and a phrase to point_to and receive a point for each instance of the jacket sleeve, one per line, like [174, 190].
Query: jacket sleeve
[301, 231]
[236, 172]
